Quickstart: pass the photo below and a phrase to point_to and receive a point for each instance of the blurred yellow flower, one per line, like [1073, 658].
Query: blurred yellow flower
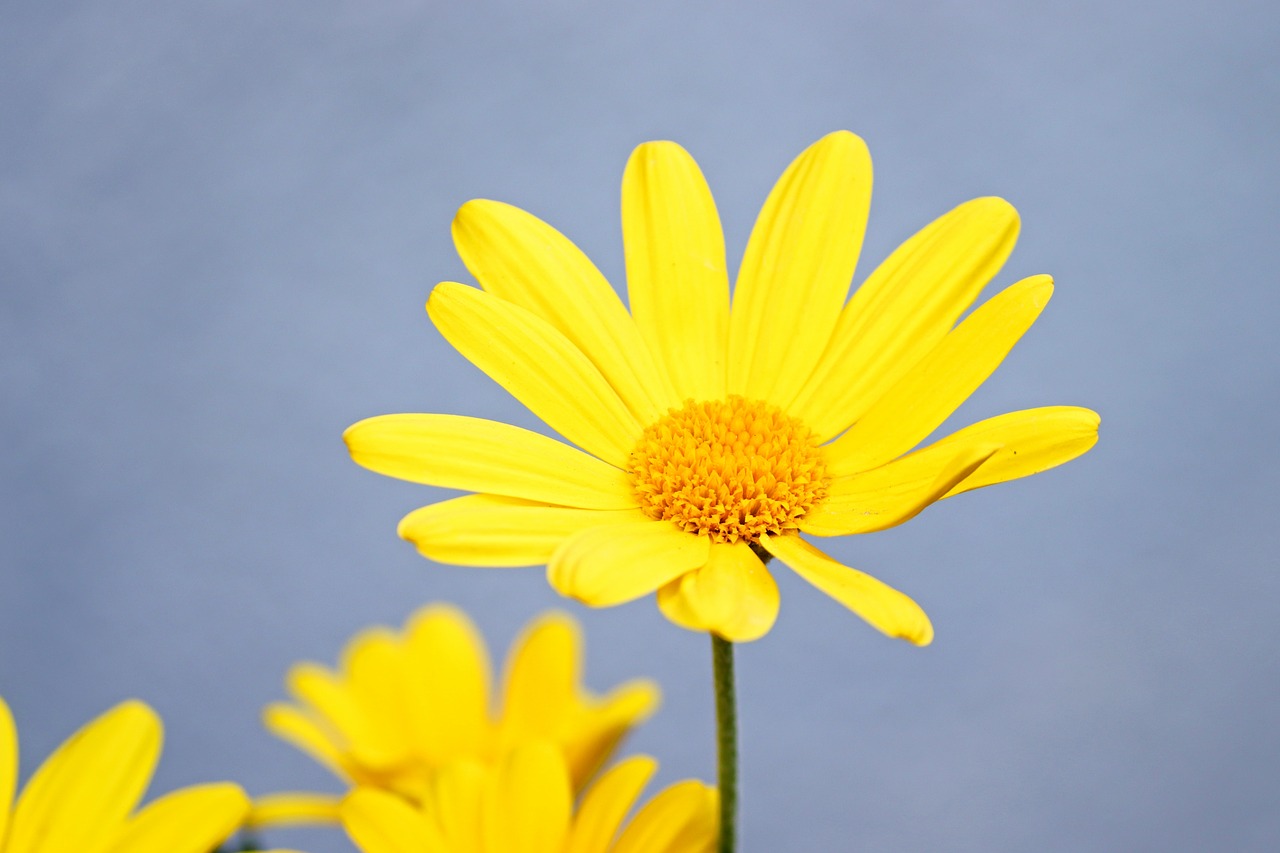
[82, 798]
[716, 433]
[525, 803]
[406, 704]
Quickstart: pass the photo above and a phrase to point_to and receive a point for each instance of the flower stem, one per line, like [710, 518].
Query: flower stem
[726, 742]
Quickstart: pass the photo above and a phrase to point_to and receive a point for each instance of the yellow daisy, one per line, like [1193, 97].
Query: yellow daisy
[526, 804]
[405, 704]
[716, 433]
[82, 798]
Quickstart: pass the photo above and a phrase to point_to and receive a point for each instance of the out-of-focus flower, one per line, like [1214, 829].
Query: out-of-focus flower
[82, 798]
[405, 704]
[526, 803]
[715, 433]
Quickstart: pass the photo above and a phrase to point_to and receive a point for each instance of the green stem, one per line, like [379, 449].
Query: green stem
[726, 742]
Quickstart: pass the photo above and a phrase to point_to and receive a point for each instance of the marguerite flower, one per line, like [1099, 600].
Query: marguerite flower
[713, 434]
[406, 704]
[82, 798]
[526, 803]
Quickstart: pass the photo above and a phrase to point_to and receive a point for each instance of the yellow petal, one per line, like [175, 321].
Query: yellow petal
[457, 803]
[932, 389]
[602, 727]
[610, 565]
[489, 530]
[903, 309]
[607, 803]
[529, 803]
[543, 678]
[519, 258]
[1030, 441]
[733, 595]
[797, 269]
[293, 808]
[891, 494]
[304, 732]
[539, 366]
[886, 609]
[8, 765]
[681, 819]
[676, 274]
[190, 820]
[479, 455]
[446, 681]
[379, 822]
[83, 792]
[374, 666]
[327, 698]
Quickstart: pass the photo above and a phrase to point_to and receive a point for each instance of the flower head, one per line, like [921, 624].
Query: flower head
[526, 802]
[713, 433]
[406, 704]
[83, 796]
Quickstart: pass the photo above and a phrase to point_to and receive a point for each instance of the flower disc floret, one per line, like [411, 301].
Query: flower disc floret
[733, 469]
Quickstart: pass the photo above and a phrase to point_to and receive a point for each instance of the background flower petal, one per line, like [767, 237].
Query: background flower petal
[523, 260]
[886, 609]
[480, 455]
[936, 385]
[539, 366]
[607, 802]
[797, 268]
[676, 276]
[903, 309]
[379, 822]
[446, 682]
[680, 819]
[82, 793]
[189, 820]
[529, 803]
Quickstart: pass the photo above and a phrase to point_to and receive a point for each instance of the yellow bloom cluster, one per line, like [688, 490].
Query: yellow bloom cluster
[406, 721]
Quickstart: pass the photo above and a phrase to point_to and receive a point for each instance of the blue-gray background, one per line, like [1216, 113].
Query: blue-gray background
[218, 226]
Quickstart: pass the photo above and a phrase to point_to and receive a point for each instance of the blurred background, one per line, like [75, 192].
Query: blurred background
[218, 227]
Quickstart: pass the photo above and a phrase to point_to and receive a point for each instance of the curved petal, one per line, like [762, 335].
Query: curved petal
[603, 566]
[373, 664]
[600, 730]
[304, 732]
[489, 530]
[882, 606]
[190, 820]
[475, 454]
[539, 366]
[1030, 441]
[8, 765]
[456, 804]
[543, 678]
[322, 692]
[606, 804]
[733, 595]
[529, 803]
[681, 819]
[797, 269]
[379, 822]
[85, 790]
[519, 258]
[936, 386]
[893, 493]
[676, 274]
[446, 682]
[293, 808]
[903, 309]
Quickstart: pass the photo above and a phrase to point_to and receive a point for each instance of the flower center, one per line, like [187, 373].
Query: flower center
[732, 469]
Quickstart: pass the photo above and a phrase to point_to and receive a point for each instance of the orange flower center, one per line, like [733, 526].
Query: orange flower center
[732, 469]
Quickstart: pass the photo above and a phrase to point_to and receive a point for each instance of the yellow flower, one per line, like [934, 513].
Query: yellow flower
[714, 433]
[82, 798]
[404, 705]
[525, 804]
